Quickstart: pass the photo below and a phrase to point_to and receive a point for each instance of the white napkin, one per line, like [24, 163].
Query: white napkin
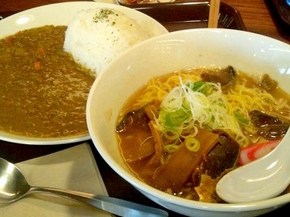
[73, 168]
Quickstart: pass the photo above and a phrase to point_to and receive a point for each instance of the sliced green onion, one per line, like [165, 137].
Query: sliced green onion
[176, 118]
[192, 144]
[202, 87]
[241, 119]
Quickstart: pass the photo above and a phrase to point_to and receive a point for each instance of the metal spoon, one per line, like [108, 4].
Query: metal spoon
[262, 179]
[13, 187]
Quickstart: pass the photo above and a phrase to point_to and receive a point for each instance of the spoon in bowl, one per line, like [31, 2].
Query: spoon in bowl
[262, 179]
[13, 187]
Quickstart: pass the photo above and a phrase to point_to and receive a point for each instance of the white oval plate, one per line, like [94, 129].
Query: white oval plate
[61, 14]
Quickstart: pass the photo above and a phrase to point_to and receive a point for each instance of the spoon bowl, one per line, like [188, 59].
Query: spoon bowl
[262, 179]
[13, 187]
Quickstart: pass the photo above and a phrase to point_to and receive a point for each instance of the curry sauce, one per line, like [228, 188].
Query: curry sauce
[43, 92]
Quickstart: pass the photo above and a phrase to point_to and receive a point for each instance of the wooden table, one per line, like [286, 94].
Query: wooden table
[257, 19]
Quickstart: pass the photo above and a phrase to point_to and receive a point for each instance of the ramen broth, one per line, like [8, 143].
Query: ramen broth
[240, 97]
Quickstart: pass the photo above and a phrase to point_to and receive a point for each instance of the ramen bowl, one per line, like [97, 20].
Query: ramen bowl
[248, 52]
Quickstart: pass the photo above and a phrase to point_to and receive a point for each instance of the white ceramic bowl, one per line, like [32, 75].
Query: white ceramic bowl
[163, 54]
[61, 14]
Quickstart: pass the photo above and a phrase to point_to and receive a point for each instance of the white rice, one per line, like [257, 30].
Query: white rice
[96, 36]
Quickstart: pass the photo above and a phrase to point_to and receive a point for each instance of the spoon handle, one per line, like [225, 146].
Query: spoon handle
[113, 205]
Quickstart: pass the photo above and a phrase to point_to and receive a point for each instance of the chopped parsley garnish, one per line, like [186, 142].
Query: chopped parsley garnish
[103, 15]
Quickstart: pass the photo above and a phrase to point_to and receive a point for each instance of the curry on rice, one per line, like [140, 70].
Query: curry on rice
[43, 91]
